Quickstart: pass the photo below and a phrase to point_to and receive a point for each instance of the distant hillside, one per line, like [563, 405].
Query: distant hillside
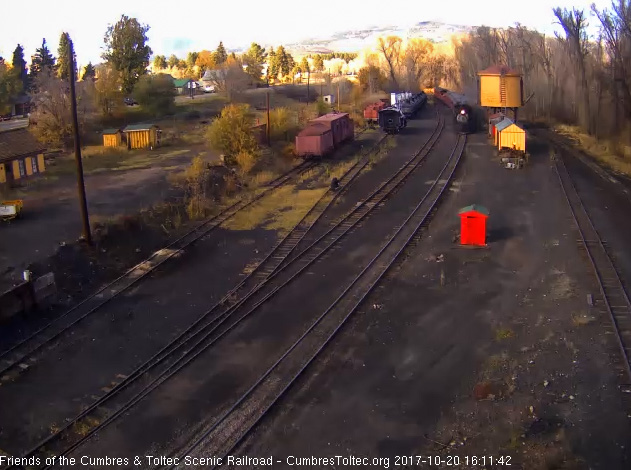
[356, 40]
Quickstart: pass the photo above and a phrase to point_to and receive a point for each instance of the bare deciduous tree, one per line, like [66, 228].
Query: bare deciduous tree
[390, 48]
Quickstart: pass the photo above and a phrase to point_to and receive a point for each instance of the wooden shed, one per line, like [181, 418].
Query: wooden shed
[510, 135]
[112, 138]
[473, 225]
[498, 127]
[141, 136]
[494, 120]
[501, 87]
[21, 155]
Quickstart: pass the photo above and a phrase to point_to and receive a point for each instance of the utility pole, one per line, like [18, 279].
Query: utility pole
[339, 97]
[267, 128]
[87, 235]
[308, 80]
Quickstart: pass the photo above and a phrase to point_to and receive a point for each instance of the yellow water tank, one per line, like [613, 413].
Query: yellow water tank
[501, 87]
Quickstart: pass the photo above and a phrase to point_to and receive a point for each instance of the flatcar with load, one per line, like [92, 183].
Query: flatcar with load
[413, 104]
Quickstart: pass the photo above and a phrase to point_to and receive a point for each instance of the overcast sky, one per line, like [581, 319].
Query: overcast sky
[177, 27]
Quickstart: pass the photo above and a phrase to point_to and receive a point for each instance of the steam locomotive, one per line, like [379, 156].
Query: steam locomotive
[463, 111]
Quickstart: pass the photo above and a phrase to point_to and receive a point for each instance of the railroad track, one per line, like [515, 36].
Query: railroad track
[19, 357]
[213, 325]
[228, 431]
[122, 391]
[613, 295]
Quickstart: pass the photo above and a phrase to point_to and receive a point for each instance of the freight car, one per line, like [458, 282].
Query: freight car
[464, 113]
[324, 134]
[413, 104]
[371, 112]
[392, 120]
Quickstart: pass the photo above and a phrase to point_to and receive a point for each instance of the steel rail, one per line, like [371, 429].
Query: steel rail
[453, 160]
[289, 242]
[133, 275]
[600, 261]
[190, 354]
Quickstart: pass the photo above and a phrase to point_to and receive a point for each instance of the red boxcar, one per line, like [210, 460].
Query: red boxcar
[316, 140]
[371, 112]
[341, 126]
[323, 134]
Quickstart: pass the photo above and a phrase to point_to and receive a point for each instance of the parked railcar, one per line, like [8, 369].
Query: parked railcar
[315, 140]
[392, 120]
[412, 105]
[371, 112]
[324, 134]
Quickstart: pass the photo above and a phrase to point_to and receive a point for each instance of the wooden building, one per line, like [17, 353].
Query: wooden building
[183, 86]
[21, 155]
[141, 136]
[501, 87]
[112, 138]
[473, 220]
[511, 136]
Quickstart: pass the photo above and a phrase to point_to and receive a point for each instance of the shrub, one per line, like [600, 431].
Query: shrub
[279, 123]
[245, 161]
[289, 151]
[156, 94]
[322, 107]
[196, 179]
[231, 133]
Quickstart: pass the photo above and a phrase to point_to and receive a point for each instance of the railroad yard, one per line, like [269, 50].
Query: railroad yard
[358, 327]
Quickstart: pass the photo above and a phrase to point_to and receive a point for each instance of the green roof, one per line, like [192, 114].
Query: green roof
[139, 127]
[474, 208]
[111, 131]
[181, 82]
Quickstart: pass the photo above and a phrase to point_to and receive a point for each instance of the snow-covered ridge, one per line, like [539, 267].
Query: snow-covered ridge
[356, 40]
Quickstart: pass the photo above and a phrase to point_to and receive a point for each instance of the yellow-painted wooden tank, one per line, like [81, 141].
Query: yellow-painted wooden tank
[501, 87]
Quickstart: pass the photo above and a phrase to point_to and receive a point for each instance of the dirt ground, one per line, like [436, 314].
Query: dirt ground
[53, 204]
[489, 352]
[134, 326]
[471, 353]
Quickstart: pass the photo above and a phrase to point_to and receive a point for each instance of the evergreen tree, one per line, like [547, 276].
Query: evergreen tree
[284, 61]
[254, 60]
[10, 87]
[304, 66]
[127, 50]
[273, 66]
[62, 61]
[42, 60]
[159, 62]
[318, 63]
[19, 66]
[191, 58]
[89, 73]
[220, 54]
[173, 61]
